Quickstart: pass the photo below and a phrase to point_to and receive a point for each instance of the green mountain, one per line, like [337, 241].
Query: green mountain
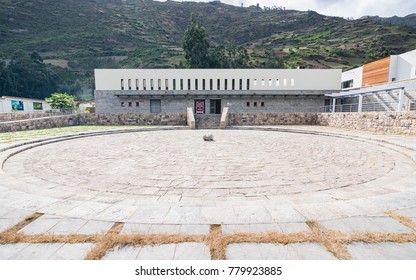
[85, 34]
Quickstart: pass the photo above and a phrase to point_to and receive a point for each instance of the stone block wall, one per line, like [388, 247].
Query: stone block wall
[273, 118]
[6, 117]
[383, 122]
[94, 119]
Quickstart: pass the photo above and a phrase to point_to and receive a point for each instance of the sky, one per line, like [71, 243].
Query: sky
[342, 8]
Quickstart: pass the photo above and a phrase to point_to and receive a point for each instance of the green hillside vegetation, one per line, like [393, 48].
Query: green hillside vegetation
[87, 34]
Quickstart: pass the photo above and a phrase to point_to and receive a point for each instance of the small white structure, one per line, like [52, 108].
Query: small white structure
[10, 104]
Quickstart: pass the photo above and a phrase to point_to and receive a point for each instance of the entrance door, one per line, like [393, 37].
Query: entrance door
[215, 106]
[200, 106]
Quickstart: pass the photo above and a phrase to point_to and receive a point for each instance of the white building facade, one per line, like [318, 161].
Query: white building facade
[209, 90]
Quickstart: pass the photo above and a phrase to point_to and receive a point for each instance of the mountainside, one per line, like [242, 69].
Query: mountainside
[409, 20]
[86, 34]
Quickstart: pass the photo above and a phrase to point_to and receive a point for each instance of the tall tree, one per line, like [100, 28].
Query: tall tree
[195, 45]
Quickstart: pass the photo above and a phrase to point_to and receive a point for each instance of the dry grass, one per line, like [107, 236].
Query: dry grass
[333, 245]
[105, 243]
[334, 241]
[402, 219]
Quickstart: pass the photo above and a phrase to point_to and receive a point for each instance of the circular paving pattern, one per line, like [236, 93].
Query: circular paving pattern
[178, 164]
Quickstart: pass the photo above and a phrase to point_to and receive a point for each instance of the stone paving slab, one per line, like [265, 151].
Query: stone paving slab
[266, 251]
[55, 251]
[382, 251]
[366, 224]
[180, 251]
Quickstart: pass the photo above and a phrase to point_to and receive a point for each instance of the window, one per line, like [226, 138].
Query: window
[218, 84]
[166, 84]
[225, 84]
[233, 84]
[137, 84]
[196, 84]
[144, 84]
[270, 82]
[284, 82]
[211, 84]
[137, 103]
[151, 84]
[181, 84]
[189, 84]
[263, 83]
[37, 106]
[203, 84]
[262, 104]
[215, 106]
[255, 82]
[122, 84]
[277, 82]
[122, 104]
[292, 82]
[255, 104]
[347, 84]
[248, 104]
[130, 104]
[248, 84]
[129, 83]
[241, 84]
[155, 106]
[159, 84]
[174, 84]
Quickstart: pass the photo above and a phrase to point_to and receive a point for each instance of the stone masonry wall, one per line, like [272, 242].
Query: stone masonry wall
[94, 119]
[6, 117]
[273, 118]
[383, 122]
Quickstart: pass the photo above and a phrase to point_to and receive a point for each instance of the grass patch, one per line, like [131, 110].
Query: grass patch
[10, 137]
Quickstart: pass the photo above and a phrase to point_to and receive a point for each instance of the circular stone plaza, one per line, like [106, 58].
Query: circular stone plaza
[279, 192]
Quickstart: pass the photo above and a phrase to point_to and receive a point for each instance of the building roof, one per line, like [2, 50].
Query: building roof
[20, 98]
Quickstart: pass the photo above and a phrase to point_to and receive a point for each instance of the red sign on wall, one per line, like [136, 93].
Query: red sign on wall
[200, 106]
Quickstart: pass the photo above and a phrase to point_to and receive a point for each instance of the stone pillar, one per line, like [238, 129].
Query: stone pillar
[334, 102]
[360, 103]
[401, 95]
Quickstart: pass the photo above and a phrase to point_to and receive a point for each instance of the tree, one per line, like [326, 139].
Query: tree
[61, 101]
[195, 45]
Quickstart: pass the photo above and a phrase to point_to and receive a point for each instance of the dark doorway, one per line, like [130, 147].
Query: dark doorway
[215, 106]
[199, 106]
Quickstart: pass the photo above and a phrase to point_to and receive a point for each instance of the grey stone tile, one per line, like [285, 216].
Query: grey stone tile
[195, 229]
[231, 229]
[133, 228]
[158, 252]
[67, 226]
[294, 227]
[244, 251]
[123, 253]
[366, 224]
[192, 251]
[149, 214]
[40, 226]
[164, 229]
[7, 251]
[95, 227]
[382, 251]
[38, 251]
[72, 251]
[296, 251]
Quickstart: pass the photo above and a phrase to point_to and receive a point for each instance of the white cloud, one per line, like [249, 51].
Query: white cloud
[342, 8]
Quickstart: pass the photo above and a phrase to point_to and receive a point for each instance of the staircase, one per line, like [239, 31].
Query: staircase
[207, 121]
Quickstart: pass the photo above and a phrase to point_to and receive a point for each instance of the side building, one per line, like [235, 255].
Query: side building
[10, 104]
[387, 84]
[207, 91]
